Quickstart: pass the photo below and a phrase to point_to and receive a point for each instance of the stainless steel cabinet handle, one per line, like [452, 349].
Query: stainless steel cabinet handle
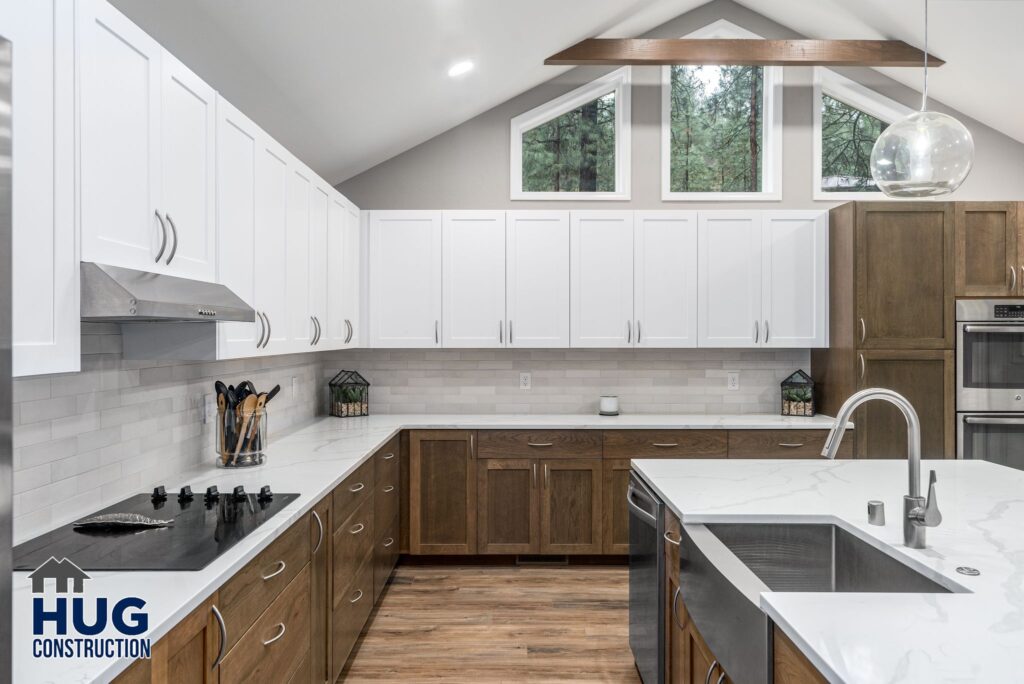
[174, 234]
[281, 565]
[862, 368]
[629, 331]
[721, 678]
[270, 330]
[766, 331]
[790, 445]
[163, 242]
[540, 444]
[348, 324]
[388, 541]
[535, 475]
[359, 595]
[357, 487]
[280, 633]
[863, 331]
[388, 456]
[319, 330]
[675, 608]
[1013, 280]
[357, 528]
[670, 540]
[312, 339]
[1022, 273]
[263, 329]
[707, 678]
[546, 476]
[757, 332]
[510, 331]
[501, 332]
[665, 445]
[223, 636]
[320, 527]
[389, 489]
[638, 331]
[437, 337]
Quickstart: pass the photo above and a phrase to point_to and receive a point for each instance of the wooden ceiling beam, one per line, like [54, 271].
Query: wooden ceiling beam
[742, 51]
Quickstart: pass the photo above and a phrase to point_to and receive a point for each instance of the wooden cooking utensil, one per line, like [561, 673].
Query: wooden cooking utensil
[247, 407]
[254, 430]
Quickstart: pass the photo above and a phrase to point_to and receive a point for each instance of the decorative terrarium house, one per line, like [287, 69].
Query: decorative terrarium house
[798, 395]
[350, 395]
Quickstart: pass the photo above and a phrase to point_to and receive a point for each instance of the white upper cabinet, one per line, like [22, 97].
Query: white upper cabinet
[601, 278]
[343, 275]
[405, 279]
[729, 279]
[300, 323]
[188, 200]
[665, 279]
[537, 279]
[273, 177]
[119, 77]
[319, 259]
[45, 311]
[795, 279]
[474, 279]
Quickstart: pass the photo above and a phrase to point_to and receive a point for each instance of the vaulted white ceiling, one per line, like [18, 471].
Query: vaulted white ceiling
[346, 84]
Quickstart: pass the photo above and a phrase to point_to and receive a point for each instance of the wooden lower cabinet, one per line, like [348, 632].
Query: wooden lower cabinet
[615, 510]
[783, 444]
[570, 506]
[789, 665]
[508, 510]
[688, 660]
[320, 591]
[442, 492]
[186, 654]
[352, 606]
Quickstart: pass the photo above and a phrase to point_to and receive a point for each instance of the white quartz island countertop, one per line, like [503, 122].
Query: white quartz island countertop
[311, 460]
[974, 635]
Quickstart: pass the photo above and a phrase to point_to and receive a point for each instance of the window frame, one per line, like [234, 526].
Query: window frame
[618, 82]
[858, 96]
[771, 128]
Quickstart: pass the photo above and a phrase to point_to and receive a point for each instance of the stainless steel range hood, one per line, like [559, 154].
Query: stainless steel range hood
[124, 295]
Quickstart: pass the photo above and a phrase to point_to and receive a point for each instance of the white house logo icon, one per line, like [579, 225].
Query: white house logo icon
[63, 572]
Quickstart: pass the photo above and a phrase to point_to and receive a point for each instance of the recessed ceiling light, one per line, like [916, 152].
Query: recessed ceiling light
[460, 68]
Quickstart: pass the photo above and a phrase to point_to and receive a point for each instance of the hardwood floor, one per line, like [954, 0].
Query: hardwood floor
[499, 624]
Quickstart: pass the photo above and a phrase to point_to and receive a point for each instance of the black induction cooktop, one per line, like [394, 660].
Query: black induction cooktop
[202, 527]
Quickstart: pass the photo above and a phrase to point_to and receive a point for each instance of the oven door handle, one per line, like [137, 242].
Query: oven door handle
[630, 494]
[1018, 329]
[993, 420]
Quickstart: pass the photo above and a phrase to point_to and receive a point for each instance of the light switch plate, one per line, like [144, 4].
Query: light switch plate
[732, 380]
[525, 381]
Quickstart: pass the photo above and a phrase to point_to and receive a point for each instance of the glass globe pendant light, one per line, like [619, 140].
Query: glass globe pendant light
[925, 154]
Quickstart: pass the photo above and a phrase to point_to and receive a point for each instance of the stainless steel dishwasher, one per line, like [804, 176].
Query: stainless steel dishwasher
[646, 561]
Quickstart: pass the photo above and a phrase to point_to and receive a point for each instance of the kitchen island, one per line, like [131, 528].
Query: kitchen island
[973, 633]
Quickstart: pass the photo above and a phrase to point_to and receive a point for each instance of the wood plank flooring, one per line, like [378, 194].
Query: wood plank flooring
[499, 624]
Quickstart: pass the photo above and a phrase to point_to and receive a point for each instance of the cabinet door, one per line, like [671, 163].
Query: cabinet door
[615, 511]
[238, 148]
[188, 652]
[537, 281]
[272, 184]
[46, 314]
[794, 291]
[601, 278]
[442, 492]
[729, 280]
[665, 273]
[507, 493]
[923, 377]
[342, 275]
[473, 268]
[405, 279]
[320, 523]
[354, 281]
[188, 155]
[319, 201]
[986, 249]
[904, 275]
[675, 632]
[570, 514]
[300, 321]
[118, 93]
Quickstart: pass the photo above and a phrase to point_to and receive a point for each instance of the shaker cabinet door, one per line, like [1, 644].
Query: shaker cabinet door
[271, 252]
[537, 279]
[320, 197]
[986, 250]
[794, 291]
[442, 492]
[473, 268]
[570, 506]
[729, 283]
[601, 285]
[665, 275]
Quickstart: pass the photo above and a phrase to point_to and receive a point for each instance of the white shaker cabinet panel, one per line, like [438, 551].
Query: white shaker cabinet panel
[45, 309]
[273, 177]
[319, 201]
[795, 279]
[665, 278]
[118, 89]
[601, 278]
[239, 143]
[300, 324]
[405, 279]
[343, 275]
[473, 286]
[729, 279]
[188, 200]
[537, 279]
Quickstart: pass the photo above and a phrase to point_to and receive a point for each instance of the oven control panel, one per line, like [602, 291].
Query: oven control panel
[1009, 310]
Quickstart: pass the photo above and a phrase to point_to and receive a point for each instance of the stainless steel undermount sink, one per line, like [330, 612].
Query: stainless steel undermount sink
[816, 557]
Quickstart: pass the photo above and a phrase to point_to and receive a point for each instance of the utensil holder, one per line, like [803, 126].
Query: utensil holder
[241, 438]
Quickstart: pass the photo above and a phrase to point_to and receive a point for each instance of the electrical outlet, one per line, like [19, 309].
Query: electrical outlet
[525, 381]
[732, 380]
[209, 404]
[295, 386]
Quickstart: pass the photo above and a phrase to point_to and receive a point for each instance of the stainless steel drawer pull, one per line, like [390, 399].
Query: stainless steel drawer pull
[312, 338]
[675, 608]
[863, 331]
[281, 565]
[320, 528]
[766, 331]
[501, 332]
[534, 474]
[174, 234]
[389, 489]
[357, 528]
[862, 367]
[359, 595]
[163, 242]
[670, 540]
[707, 678]
[540, 444]
[357, 487]
[721, 678]
[632, 504]
[790, 445]
[270, 330]
[388, 456]
[665, 445]
[757, 332]
[223, 636]
[263, 329]
[280, 633]
[629, 332]
[388, 541]
[1013, 280]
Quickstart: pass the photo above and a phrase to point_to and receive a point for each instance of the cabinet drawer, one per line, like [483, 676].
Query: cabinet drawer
[672, 538]
[352, 492]
[353, 543]
[665, 443]
[248, 593]
[385, 555]
[385, 462]
[386, 501]
[539, 444]
[273, 648]
[350, 614]
[783, 444]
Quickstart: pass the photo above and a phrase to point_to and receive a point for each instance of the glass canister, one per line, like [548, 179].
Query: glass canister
[241, 437]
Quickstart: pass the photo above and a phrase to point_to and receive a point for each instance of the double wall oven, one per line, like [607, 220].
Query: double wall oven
[990, 380]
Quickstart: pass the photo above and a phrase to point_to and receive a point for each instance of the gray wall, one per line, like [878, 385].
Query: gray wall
[467, 167]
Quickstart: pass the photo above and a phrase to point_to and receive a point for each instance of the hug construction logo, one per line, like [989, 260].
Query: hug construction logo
[87, 619]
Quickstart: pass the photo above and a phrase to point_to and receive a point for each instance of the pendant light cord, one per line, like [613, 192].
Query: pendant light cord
[924, 94]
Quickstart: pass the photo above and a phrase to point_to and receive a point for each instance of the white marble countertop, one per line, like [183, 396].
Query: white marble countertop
[973, 636]
[311, 460]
